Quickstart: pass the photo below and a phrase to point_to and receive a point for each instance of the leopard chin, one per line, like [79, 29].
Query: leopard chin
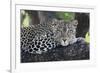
[64, 43]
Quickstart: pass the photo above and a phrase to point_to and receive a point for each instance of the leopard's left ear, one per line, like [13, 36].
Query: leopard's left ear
[75, 22]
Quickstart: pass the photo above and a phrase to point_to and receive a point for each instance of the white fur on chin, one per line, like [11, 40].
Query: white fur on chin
[64, 43]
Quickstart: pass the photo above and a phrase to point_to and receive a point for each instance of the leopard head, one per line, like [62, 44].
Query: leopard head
[64, 32]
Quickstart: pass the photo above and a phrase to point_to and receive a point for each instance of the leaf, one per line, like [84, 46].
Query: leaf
[87, 37]
[26, 20]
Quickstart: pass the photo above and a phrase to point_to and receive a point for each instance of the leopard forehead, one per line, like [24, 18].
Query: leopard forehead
[64, 27]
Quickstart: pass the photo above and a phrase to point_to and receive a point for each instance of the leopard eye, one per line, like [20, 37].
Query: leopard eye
[54, 24]
[71, 31]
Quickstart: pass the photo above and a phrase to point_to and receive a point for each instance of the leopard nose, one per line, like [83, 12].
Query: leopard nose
[64, 40]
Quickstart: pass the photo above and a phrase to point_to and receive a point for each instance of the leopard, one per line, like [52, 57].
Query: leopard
[40, 38]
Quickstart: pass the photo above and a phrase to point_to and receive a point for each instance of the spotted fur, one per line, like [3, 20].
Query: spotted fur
[36, 40]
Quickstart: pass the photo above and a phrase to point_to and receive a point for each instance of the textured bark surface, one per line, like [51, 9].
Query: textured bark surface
[76, 51]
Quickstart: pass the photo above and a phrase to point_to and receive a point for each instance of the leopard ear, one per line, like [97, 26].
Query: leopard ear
[75, 22]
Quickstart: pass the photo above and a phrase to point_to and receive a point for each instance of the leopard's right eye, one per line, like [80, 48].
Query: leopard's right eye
[71, 30]
[54, 25]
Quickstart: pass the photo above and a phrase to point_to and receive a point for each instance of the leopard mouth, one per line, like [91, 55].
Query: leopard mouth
[64, 43]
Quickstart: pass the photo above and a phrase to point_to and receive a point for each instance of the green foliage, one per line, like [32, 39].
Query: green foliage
[87, 37]
[67, 16]
[25, 19]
